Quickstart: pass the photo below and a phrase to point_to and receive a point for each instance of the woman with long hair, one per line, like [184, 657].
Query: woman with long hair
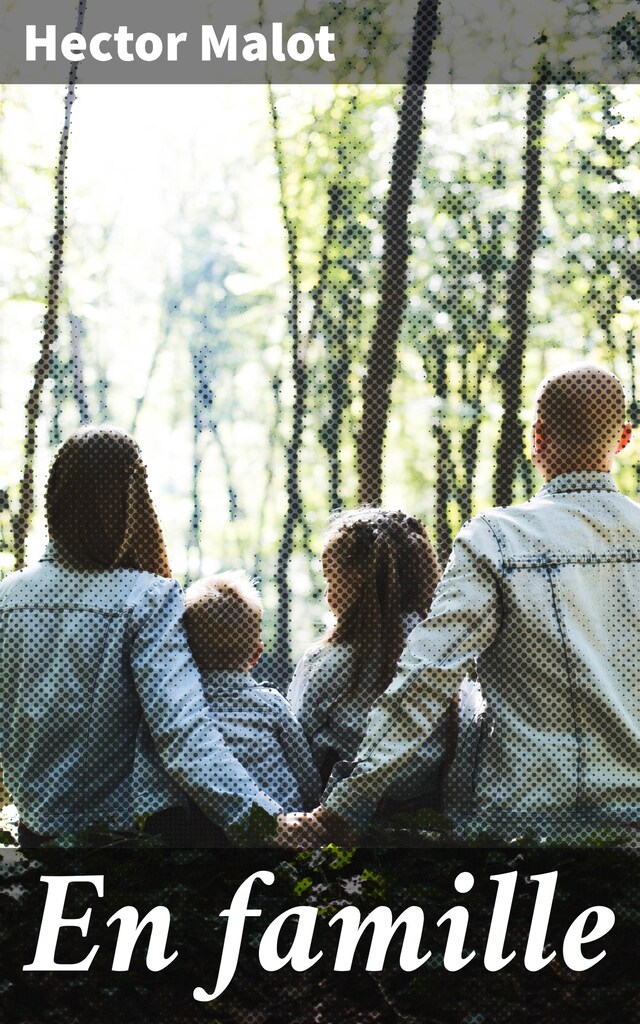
[103, 723]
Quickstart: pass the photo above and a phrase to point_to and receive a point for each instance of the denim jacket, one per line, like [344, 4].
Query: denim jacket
[102, 715]
[541, 603]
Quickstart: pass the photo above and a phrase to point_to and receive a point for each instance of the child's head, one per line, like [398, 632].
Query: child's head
[379, 567]
[223, 620]
[372, 550]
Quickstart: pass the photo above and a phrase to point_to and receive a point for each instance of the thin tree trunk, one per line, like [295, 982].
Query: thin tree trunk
[232, 494]
[299, 373]
[194, 540]
[57, 374]
[339, 388]
[509, 453]
[264, 504]
[382, 359]
[77, 368]
[42, 367]
[345, 329]
[294, 514]
[444, 464]
[471, 436]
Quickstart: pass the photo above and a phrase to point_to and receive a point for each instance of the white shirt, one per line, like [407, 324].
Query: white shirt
[542, 600]
[260, 728]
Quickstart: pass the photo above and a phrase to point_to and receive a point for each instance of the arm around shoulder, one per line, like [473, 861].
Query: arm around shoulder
[464, 619]
[182, 726]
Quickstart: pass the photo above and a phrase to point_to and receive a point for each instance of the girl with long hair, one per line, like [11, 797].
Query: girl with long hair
[381, 572]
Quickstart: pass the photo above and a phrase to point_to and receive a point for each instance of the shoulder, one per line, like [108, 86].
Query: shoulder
[326, 655]
[125, 582]
[17, 579]
[480, 538]
[153, 587]
[151, 595]
[272, 697]
[30, 576]
[325, 662]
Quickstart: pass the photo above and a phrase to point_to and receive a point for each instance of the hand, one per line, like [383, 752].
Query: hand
[310, 831]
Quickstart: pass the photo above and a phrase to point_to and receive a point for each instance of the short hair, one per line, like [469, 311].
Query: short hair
[223, 620]
[583, 409]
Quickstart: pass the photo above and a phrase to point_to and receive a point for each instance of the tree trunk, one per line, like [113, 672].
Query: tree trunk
[299, 372]
[509, 454]
[445, 472]
[42, 367]
[77, 369]
[382, 359]
[339, 388]
[294, 514]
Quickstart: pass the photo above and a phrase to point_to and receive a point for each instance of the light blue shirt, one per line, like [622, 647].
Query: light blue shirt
[102, 714]
[260, 728]
[542, 602]
[332, 713]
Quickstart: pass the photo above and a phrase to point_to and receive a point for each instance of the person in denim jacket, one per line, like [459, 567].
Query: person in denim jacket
[541, 603]
[103, 721]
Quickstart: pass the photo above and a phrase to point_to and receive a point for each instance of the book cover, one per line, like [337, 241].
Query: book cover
[313, 256]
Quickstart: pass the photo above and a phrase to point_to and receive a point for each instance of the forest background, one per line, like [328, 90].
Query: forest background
[230, 253]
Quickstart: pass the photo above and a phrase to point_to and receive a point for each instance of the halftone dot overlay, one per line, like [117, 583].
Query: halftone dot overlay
[515, 713]
[105, 722]
[515, 709]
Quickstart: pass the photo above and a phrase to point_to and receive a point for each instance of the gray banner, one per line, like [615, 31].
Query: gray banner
[290, 41]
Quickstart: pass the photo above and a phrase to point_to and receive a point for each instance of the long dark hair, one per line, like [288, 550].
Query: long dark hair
[390, 556]
[99, 510]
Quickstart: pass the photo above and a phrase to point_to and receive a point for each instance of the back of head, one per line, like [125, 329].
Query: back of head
[99, 511]
[388, 564]
[223, 620]
[582, 412]
[419, 571]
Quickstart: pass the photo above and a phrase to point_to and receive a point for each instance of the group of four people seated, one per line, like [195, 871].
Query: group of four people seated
[505, 692]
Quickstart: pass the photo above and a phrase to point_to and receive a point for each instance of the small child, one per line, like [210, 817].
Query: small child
[381, 572]
[223, 620]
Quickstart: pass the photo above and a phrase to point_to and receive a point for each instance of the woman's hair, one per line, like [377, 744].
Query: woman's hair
[99, 510]
[388, 564]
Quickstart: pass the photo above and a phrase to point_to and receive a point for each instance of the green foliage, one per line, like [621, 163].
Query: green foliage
[259, 827]
[183, 305]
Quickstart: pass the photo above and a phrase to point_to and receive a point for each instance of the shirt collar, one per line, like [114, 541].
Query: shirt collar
[52, 553]
[578, 481]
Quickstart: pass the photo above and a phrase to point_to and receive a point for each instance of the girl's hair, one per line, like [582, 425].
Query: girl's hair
[389, 556]
[99, 510]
